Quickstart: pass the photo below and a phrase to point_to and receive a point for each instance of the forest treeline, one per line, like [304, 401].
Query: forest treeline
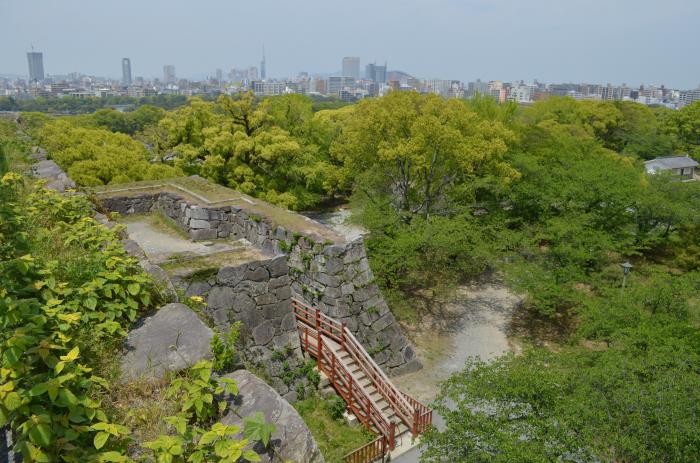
[553, 196]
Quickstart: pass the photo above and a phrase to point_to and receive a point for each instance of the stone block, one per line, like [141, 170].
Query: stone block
[276, 310]
[200, 213]
[409, 367]
[203, 234]
[347, 288]
[200, 224]
[263, 334]
[242, 302]
[334, 250]
[362, 279]
[221, 297]
[355, 252]
[257, 274]
[231, 276]
[334, 265]
[283, 293]
[250, 319]
[383, 322]
[329, 280]
[267, 298]
[279, 282]
[278, 267]
[289, 322]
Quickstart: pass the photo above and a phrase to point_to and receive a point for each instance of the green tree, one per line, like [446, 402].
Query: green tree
[422, 151]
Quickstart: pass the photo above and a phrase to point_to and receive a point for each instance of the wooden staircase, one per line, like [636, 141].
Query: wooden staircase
[366, 389]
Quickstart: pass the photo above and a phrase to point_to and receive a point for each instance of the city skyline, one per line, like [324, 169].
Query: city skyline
[464, 40]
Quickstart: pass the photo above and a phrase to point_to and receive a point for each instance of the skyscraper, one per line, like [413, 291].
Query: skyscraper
[376, 73]
[169, 74]
[126, 71]
[35, 59]
[263, 71]
[351, 67]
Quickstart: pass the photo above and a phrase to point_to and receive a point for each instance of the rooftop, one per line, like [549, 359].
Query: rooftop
[670, 162]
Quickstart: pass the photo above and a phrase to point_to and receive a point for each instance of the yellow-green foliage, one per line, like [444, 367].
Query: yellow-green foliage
[53, 322]
[96, 156]
[68, 291]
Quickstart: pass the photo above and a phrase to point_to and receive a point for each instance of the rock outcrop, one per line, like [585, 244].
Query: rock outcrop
[292, 440]
[173, 339]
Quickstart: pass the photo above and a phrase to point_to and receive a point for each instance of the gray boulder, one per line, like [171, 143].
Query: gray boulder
[292, 441]
[173, 339]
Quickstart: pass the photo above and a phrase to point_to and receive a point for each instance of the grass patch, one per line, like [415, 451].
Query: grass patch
[159, 221]
[334, 436]
[142, 406]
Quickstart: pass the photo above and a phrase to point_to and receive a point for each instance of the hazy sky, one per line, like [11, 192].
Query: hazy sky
[631, 41]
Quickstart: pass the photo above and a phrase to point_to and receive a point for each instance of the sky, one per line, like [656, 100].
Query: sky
[595, 41]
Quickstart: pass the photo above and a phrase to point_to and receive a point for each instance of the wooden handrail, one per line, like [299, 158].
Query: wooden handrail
[385, 387]
[369, 452]
[341, 334]
[354, 395]
[316, 325]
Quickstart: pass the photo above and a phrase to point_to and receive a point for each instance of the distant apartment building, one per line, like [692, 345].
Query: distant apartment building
[338, 83]
[351, 67]
[35, 60]
[126, 71]
[169, 74]
[497, 91]
[268, 88]
[521, 93]
[482, 88]
[687, 97]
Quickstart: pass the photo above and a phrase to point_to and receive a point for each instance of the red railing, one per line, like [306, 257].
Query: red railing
[354, 395]
[422, 416]
[312, 321]
[370, 452]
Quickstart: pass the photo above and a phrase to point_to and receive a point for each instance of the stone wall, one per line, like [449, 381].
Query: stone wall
[333, 276]
[258, 294]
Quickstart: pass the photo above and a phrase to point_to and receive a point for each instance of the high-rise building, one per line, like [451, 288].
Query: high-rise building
[263, 70]
[35, 59]
[351, 67]
[169, 74]
[376, 73]
[126, 71]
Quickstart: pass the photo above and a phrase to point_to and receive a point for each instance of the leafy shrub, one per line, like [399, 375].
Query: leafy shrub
[336, 407]
[223, 346]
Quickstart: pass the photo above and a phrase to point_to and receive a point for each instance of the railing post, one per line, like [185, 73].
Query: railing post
[414, 430]
[392, 441]
[319, 342]
[342, 335]
[333, 369]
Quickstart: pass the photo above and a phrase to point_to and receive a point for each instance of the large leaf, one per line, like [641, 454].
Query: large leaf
[100, 439]
[256, 428]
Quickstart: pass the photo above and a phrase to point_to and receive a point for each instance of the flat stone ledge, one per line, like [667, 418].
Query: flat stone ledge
[173, 339]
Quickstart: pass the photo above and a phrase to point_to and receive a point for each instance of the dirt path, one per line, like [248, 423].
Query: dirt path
[473, 323]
